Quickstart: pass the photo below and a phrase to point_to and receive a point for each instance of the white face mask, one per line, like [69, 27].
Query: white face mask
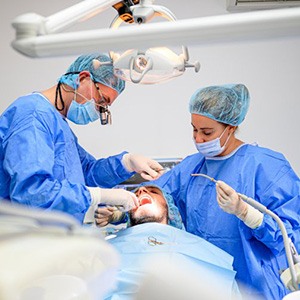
[212, 148]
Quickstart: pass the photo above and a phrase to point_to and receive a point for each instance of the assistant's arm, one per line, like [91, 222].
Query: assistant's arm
[282, 197]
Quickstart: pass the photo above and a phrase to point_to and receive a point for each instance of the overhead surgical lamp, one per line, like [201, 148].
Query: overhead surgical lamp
[151, 65]
[141, 65]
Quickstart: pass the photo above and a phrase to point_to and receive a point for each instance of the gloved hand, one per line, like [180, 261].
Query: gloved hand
[122, 199]
[108, 214]
[148, 168]
[229, 200]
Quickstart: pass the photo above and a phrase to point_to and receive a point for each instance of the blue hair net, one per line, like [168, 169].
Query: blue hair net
[225, 103]
[174, 217]
[102, 73]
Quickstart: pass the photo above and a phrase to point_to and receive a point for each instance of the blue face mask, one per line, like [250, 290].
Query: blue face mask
[212, 148]
[83, 113]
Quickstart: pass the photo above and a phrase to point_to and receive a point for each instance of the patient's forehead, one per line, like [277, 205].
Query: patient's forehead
[150, 189]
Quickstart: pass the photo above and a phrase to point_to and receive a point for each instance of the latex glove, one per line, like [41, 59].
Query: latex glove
[148, 168]
[108, 214]
[229, 200]
[122, 199]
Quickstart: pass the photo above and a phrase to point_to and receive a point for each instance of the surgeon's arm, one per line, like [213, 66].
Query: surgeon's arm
[110, 171]
[105, 172]
[119, 198]
[148, 168]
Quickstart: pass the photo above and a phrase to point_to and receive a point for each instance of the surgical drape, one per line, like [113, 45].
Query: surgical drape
[189, 253]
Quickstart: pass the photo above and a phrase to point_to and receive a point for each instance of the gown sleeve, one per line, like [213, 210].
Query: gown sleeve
[48, 169]
[282, 197]
[104, 172]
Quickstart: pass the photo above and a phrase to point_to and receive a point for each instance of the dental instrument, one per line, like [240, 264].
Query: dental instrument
[205, 176]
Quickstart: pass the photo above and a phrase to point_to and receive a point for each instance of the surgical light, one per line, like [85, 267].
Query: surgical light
[153, 65]
[150, 66]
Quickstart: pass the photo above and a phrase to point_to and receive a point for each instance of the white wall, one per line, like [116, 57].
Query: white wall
[154, 120]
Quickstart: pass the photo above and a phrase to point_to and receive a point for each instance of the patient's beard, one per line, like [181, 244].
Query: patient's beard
[146, 219]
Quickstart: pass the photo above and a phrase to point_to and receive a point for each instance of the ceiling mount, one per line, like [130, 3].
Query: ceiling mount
[245, 5]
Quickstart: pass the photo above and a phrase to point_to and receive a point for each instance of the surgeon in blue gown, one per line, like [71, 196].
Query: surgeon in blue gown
[156, 236]
[41, 162]
[215, 212]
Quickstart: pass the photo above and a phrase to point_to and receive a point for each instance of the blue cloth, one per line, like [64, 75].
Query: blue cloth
[194, 254]
[42, 164]
[259, 173]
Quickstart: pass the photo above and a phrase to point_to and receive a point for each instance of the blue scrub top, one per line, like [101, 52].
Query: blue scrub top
[259, 173]
[187, 252]
[42, 164]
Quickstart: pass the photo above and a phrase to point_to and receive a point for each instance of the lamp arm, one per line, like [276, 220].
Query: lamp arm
[160, 11]
[31, 24]
[81, 11]
[288, 246]
[199, 31]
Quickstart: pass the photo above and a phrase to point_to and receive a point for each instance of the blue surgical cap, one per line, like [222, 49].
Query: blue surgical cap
[102, 73]
[224, 103]
[174, 217]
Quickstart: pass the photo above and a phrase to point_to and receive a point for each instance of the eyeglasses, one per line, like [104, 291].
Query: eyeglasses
[103, 100]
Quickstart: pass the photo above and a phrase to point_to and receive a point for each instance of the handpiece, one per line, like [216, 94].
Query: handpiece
[206, 176]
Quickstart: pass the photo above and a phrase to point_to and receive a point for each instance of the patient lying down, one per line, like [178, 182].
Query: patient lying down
[156, 246]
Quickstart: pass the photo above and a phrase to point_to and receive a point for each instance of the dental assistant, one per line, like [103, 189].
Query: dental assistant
[41, 161]
[215, 212]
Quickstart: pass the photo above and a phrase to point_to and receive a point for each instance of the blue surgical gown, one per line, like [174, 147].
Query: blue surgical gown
[187, 252]
[259, 173]
[42, 164]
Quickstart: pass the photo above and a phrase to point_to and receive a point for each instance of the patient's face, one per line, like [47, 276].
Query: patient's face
[153, 207]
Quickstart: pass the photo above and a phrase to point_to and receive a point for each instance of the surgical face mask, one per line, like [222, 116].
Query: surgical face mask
[83, 114]
[212, 148]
